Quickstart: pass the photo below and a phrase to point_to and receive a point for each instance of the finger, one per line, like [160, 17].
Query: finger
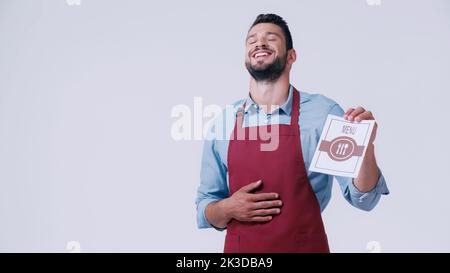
[265, 212]
[261, 218]
[367, 115]
[348, 112]
[267, 204]
[250, 187]
[355, 112]
[263, 196]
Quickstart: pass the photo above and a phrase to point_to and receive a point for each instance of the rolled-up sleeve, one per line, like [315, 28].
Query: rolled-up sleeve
[363, 200]
[213, 181]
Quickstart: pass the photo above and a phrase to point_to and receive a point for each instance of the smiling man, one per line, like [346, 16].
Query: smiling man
[266, 199]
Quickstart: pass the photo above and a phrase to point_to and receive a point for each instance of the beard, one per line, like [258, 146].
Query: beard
[269, 72]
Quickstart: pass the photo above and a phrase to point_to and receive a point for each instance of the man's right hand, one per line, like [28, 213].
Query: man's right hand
[244, 206]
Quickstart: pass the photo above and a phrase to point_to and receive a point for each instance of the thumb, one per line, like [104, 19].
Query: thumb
[251, 186]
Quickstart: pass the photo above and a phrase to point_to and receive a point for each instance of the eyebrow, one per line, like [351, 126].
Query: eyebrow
[268, 33]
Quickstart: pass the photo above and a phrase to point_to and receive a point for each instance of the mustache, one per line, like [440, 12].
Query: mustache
[261, 48]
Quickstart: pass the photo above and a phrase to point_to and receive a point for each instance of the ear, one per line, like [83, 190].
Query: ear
[292, 56]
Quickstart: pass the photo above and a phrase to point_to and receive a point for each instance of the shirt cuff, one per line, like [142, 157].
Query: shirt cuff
[202, 222]
[380, 188]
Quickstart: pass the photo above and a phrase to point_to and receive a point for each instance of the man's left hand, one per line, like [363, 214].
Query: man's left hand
[358, 114]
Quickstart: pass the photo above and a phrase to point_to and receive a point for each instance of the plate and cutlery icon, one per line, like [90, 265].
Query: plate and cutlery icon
[342, 148]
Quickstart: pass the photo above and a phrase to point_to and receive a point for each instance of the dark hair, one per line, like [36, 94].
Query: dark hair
[279, 21]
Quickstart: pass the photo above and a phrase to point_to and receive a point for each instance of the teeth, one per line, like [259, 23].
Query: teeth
[261, 54]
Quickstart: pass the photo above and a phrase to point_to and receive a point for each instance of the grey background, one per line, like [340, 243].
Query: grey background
[86, 94]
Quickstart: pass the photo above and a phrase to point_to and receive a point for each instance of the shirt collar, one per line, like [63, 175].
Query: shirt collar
[286, 107]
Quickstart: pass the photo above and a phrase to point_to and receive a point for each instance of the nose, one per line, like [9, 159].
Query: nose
[261, 42]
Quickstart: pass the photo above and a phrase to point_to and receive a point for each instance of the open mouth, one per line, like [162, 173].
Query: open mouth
[261, 54]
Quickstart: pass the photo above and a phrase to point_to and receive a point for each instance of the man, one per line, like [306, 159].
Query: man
[266, 199]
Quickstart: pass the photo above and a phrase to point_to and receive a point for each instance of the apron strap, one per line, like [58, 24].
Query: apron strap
[295, 108]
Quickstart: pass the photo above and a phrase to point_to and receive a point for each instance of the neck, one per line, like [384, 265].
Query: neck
[270, 95]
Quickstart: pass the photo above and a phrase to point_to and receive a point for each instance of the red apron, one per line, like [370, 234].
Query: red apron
[299, 226]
